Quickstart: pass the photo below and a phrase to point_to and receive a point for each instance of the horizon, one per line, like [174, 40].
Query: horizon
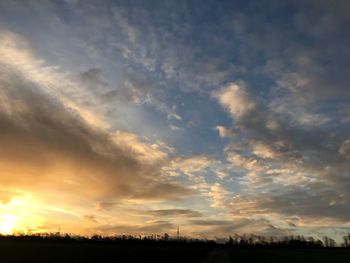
[245, 240]
[216, 117]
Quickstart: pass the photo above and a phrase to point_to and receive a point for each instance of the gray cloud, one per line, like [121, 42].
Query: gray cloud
[40, 136]
[172, 213]
[154, 227]
[91, 218]
[136, 88]
[235, 226]
[317, 203]
[210, 222]
[280, 156]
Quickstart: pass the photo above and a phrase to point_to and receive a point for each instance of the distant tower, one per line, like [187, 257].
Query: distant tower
[178, 233]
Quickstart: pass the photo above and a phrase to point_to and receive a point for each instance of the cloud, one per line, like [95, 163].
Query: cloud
[191, 165]
[294, 201]
[263, 150]
[142, 150]
[215, 228]
[293, 156]
[49, 144]
[236, 99]
[344, 149]
[91, 218]
[172, 213]
[139, 38]
[139, 90]
[148, 228]
[223, 132]
[93, 79]
[219, 196]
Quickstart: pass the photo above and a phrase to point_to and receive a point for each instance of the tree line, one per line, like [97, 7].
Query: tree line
[295, 241]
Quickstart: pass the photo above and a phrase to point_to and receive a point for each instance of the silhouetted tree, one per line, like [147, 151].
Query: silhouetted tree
[230, 240]
[166, 236]
[329, 242]
[346, 240]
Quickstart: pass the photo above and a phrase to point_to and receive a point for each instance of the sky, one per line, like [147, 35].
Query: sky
[138, 117]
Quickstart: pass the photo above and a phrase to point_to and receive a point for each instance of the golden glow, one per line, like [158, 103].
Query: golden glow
[18, 215]
[8, 223]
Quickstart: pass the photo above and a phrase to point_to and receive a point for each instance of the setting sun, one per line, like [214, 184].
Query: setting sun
[8, 223]
[20, 215]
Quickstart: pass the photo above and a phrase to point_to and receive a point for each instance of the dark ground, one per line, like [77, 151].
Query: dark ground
[47, 251]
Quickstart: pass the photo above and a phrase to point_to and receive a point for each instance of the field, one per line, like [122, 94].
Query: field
[81, 251]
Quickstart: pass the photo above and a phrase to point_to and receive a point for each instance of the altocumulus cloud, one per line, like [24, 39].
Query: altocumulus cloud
[295, 170]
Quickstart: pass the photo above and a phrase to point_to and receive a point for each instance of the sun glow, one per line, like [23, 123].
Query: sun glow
[19, 215]
[8, 222]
